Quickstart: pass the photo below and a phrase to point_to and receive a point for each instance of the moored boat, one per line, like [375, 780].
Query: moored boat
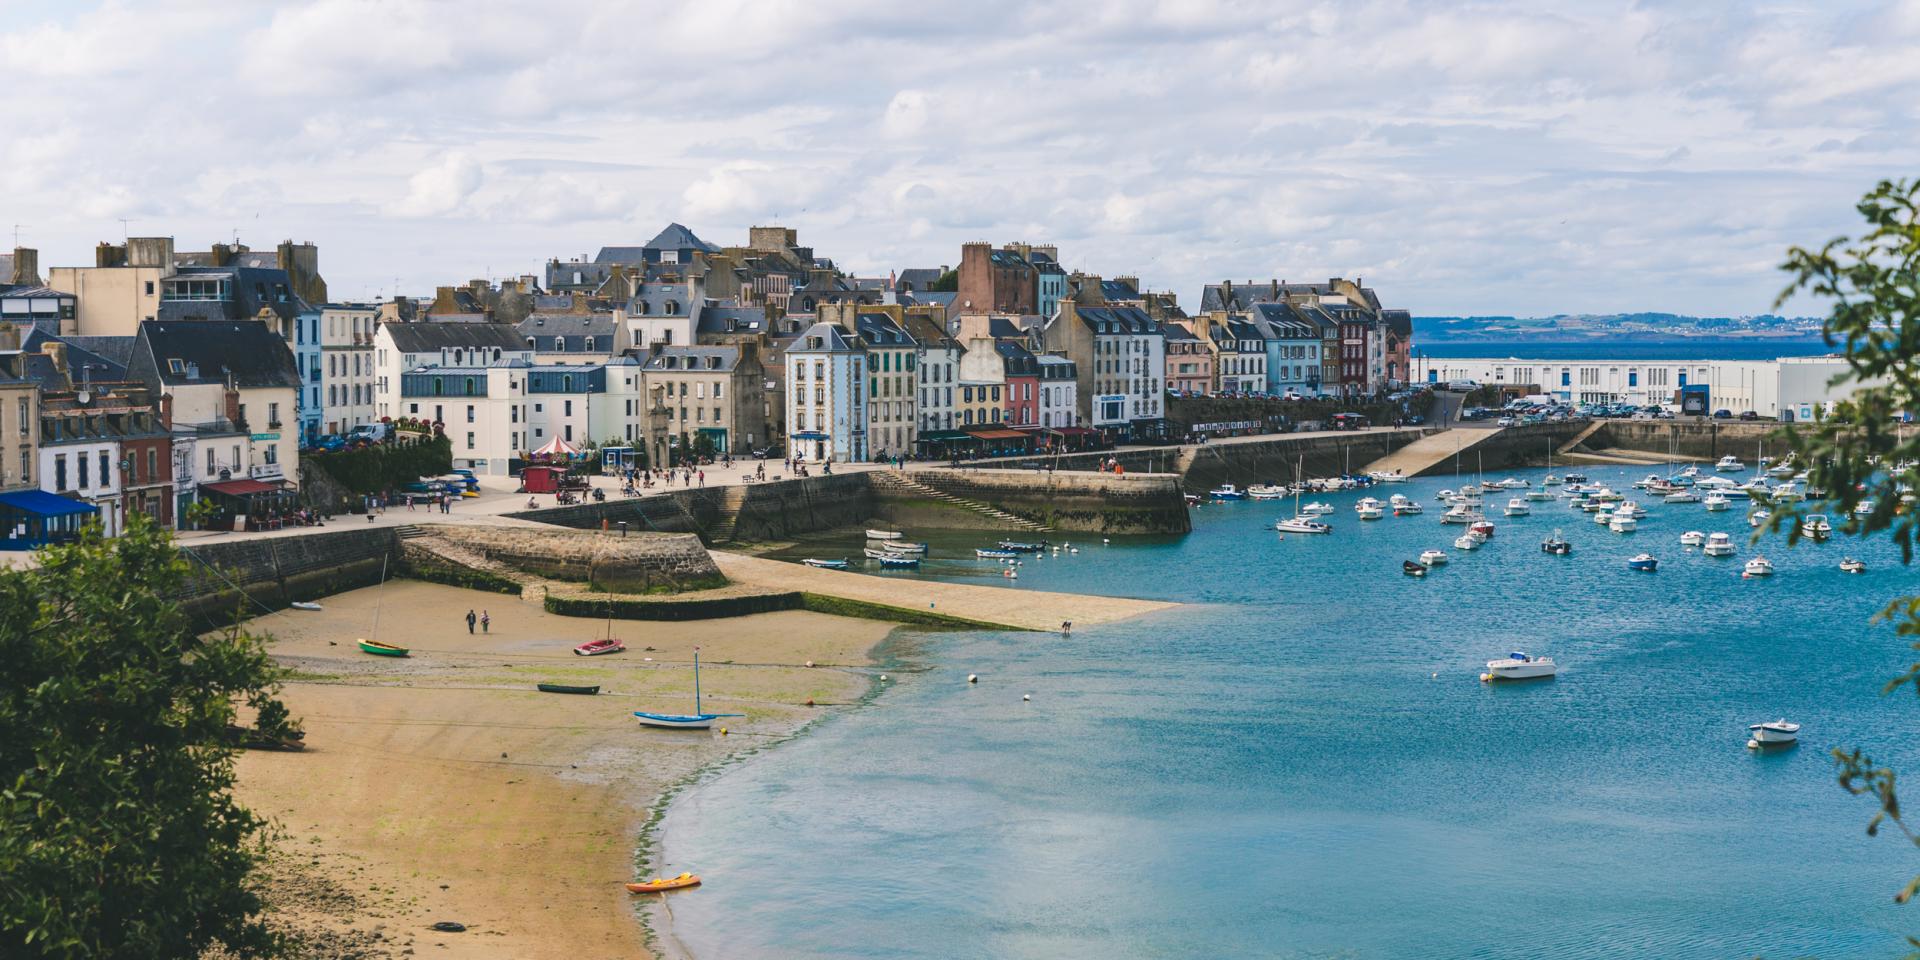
[1716, 502]
[1850, 565]
[1772, 732]
[600, 647]
[379, 649]
[1758, 567]
[1302, 524]
[304, 605]
[1517, 507]
[826, 564]
[698, 720]
[884, 534]
[1718, 545]
[1317, 509]
[663, 884]
[1556, 545]
[568, 688]
[1816, 526]
[1266, 491]
[1683, 496]
[1226, 491]
[1645, 562]
[1519, 666]
[1368, 509]
[1467, 541]
[1730, 464]
[986, 554]
[1433, 558]
[894, 560]
[1022, 546]
[1540, 495]
[1482, 528]
[1413, 568]
[1693, 538]
[1623, 523]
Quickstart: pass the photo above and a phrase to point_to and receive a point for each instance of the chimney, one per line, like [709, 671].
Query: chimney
[221, 254]
[233, 403]
[26, 266]
[110, 255]
[166, 411]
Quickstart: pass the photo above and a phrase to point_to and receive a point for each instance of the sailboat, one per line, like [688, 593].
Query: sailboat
[699, 719]
[604, 645]
[375, 647]
[1301, 522]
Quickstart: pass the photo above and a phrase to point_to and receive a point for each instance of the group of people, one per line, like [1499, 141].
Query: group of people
[484, 620]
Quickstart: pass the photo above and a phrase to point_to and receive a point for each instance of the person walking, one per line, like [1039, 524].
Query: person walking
[485, 621]
[471, 620]
[703, 478]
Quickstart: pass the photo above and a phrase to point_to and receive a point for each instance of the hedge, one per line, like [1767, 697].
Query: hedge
[386, 466]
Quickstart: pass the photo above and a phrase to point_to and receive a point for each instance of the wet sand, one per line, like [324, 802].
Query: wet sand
[444, 787]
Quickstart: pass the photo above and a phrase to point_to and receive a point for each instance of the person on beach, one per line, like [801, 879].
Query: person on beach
[1066, 627]
[471, 619]
[485, 621]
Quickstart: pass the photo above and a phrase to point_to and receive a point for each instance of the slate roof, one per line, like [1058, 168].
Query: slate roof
[211, 351]
[1284, 322]
[1019, 361]
[1055, 367]
[1008, 258]
[701, 359]
[1238, 297]
[1115, 290]
[432, 337]
[879, 330]
[251, 289]
[832, 340]
[716, 318]
[568, 332]
[114, 350]
[917, 278]
[1118, 321]
[83, 362]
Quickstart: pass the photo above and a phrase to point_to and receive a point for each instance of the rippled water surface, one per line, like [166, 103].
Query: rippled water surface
[1304, 765]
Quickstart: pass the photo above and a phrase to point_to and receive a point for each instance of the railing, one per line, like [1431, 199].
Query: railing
[211, 427]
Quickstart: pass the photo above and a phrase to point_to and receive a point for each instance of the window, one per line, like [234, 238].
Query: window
[211, 466]
[469, 440]
[718, 385]
[26, 466]
[273, 414]
[26, 429]
[80, 460]
[106, 469]
[153, 472]
[60, 472]
[470, 417]
[569, 434]
[588, 344]
[569, 410]
[716, 414]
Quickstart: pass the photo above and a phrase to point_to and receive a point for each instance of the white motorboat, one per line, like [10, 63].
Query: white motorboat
[1693, 538]
[1630, 509]
[1850, 565]
[1644, 562]
[1718, 545]
[1730, 464]
[1550, 481]
[1603, 517]
[1472, 489]
[1316, 509]
[1759, 518]
[1623, 524]
[1411, 508]
[1539, 495]
[1433, 558]
[1758, 567]
[1772, 732]
[884, 534]
[1788, 492]
[1682, 496]
[1784, 468]
[1650, 480]
[1715, 503]
[1226, 491]
[1816, 526]
[1266, 491]
[1863, 508]
[1517, 507]
[1467, 541]
[1512, 483]
[1519, 666]
[1385, 476]
[1606, 495]
[1460, 514]
[1302, 524]
[1369, 509]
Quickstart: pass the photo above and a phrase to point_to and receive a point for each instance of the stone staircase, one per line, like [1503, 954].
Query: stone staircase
[1430, 451]
[1571, 445]
[731, 500]
[905, 483]
[409, 532]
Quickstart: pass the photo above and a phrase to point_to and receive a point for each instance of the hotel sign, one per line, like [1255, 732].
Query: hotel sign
[264, 436]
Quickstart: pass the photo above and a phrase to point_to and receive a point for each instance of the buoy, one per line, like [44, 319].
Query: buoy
[973, 678]
[723, 731]
[809, 662]
[1026, 696]
[1486, 677]
[809, 701]
[883, 676]
[1753, 744]
[1105, 540]
[1436, 676]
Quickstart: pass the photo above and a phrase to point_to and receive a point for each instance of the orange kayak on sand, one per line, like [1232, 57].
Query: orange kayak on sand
[660, 885]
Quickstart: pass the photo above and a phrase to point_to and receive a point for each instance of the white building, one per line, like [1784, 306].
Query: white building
[938, 364]
[483, 410]
[400, 347]
[1059, 396]
[1789, 387]
[826, 411]
[347, 377]
[230, 384]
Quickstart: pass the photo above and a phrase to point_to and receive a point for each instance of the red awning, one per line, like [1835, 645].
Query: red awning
[240, 488]
[998, 434]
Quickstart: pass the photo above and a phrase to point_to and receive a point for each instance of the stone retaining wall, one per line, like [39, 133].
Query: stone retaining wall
[1691, 439]
[634, 563]
[1064, 500]
[783, 510]
[275, 571]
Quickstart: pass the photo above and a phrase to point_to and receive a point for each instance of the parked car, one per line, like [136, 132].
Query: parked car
[330, 443]
[1504, 422]
[1749, 415]
[1462, 386]
[1723, 414]
[370, 432]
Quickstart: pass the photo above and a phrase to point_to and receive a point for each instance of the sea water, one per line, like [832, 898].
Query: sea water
[1302, 762]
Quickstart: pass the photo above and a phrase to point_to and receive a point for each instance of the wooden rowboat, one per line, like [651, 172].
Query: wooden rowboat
[568, 688]
[379, 649]
[662, 885]
[304, 605]
[595, 648]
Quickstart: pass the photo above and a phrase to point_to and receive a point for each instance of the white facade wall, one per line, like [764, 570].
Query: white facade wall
[486, 431]
[390, 363]
[89, 468]
[1059, 403]
[824, 398]
[1796, 385]
[939, 372]
[347, 376]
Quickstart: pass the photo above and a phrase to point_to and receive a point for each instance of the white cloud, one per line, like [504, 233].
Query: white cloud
[440, 189]
[1495, 156]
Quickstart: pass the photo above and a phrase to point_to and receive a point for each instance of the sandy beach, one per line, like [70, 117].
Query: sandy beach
[444, 787]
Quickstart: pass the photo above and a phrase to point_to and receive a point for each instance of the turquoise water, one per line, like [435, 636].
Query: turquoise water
[1304, 765]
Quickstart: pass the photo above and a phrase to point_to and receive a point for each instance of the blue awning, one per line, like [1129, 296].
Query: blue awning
[810, 436]
[43, 504]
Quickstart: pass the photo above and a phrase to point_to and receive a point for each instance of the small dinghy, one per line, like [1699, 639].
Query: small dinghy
[305, 605]
[379, 649]
[663, 884]
[884, 534]
[825, 564]
[1772, 734]
[891, 559]
[1644, 562]
[1413, 568]
[567, 688]
[1850, 565]
[595, 648]
[1022, 546]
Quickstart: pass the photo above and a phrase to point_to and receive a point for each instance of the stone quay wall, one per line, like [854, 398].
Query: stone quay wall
[1692, 439]
[780, 511]
[1090, 502]
[638, 562]
[271, 572]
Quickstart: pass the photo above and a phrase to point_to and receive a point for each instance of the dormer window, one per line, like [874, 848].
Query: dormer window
[176, 366]
[530, 346]
[589, 344]
[672, 308]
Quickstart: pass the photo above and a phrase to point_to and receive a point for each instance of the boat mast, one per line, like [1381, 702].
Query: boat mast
[696, 681]
[378, 595]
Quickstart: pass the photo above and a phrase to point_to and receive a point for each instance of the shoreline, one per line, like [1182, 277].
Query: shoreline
[402, 807]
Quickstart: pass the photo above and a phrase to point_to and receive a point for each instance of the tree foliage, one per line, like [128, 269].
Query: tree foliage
[1862, 453]
[119, 835]
[385, 466]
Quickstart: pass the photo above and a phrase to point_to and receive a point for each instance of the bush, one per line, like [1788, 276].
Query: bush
[387, 465]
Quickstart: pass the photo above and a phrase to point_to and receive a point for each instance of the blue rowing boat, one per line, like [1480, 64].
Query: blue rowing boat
[689, 721]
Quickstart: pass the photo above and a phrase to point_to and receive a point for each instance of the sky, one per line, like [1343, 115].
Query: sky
[1461, 158]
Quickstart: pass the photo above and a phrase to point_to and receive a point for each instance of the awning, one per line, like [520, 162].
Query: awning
[240, 488]
[997, 434]
[557, 448]
[43, 504]
[810, 436]
[943, 436]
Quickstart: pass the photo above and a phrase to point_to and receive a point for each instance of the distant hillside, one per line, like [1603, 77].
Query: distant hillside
[1611, 326]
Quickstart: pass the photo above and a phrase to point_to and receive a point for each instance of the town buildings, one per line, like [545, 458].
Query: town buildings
[1119, 353]
[714, 397]
[348, 379]
[1790, 388]
[401, 347]
[826, 397]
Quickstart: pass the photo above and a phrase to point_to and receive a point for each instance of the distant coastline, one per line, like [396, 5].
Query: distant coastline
[1673, 348]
